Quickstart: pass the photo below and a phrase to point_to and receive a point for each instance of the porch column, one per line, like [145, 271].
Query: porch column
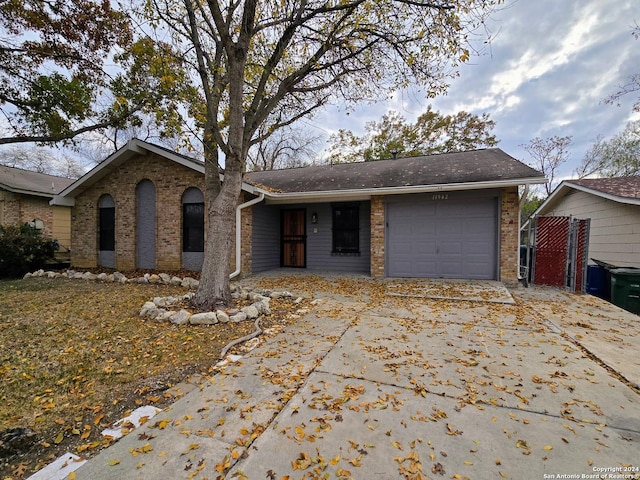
[377, 236]
[509, 235]
[246, 255]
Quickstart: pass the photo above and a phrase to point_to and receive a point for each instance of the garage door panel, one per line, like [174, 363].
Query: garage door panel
[454, 238]
[451, 268]
[423, 265]
[450, 249]
[449, 226]
[423, 248]
[476, 249]
[445, 209]
[476, 267]
[479, 226]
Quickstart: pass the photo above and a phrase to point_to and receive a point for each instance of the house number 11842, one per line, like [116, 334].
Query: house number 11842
[440, 196]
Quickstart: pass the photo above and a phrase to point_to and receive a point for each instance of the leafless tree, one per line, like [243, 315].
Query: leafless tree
[286, 148]
[547, 155]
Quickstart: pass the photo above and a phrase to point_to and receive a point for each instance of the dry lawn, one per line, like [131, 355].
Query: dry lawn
[76, 357]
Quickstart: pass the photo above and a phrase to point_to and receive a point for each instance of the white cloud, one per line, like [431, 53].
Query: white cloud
[551, 65]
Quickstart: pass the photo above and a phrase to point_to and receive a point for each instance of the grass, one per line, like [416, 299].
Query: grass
[75, 357]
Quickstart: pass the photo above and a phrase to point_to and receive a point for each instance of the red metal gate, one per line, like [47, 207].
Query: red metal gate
[560, 252]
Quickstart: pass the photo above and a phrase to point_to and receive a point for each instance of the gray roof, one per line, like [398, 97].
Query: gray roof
[472, 167]
[624, 187]
[32, 183]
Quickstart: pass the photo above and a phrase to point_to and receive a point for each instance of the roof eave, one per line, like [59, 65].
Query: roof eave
[567, 185]
[133, 147]
[365, 193]
[23, 191]
[608, 196]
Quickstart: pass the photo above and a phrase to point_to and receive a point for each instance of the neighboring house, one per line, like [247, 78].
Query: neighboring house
[450, 216]
[613, 205]
[25, 196]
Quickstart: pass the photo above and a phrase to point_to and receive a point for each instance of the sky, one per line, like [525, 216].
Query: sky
[546, 72]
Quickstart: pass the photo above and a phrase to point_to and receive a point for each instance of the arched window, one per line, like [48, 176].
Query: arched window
[192, 229]
[146, 224]
[192, 221]
[106, 231]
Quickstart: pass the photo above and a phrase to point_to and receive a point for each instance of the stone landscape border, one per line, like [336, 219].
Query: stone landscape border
[169, 308]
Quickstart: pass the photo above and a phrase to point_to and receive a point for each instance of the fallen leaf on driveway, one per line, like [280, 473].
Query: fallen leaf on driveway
[452, 431]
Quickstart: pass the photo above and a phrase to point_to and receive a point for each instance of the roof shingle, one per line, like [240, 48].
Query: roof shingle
[625, 187]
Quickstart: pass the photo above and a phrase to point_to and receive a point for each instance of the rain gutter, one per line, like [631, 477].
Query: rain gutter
[239, 209]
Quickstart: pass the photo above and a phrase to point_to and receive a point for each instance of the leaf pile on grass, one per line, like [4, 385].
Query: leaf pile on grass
[76, 357]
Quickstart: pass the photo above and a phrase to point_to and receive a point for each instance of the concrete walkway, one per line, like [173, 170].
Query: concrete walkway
[371, 384]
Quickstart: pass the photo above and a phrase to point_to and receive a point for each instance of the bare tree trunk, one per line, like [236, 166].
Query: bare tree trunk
[221, 201]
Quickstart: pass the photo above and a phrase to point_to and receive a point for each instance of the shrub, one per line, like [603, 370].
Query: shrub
[23, 249]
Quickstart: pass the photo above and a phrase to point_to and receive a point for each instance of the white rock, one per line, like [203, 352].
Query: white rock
[262, 307]
[180, 318]
[251, 312]
[155, 313]
[175, 281]
[165, 278]
[255, 297]
[222, 316]
[189, 282]
[119, 277]
[146, 307]
[238, 317]
[205, 318]
[160, 301]
[165, 316]
[102, 277]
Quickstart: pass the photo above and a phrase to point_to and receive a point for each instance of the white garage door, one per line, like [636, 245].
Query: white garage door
[442, 236]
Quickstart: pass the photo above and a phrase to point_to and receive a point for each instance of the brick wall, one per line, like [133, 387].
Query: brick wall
[509, 235]
[246, 243]
[19, 208]
[377, 236]
[170, 179]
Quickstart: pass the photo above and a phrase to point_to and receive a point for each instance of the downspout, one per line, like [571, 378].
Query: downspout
[523, 199]
[239, 209]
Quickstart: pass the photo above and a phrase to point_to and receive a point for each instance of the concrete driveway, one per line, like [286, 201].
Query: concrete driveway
[392, 380]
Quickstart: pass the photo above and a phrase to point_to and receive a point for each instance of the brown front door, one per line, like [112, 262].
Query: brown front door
[294, 238]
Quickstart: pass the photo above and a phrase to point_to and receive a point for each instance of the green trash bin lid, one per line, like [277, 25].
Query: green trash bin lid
[628, 271]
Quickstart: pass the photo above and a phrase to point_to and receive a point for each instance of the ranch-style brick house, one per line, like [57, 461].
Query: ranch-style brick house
[25, 197]
[442, 216]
